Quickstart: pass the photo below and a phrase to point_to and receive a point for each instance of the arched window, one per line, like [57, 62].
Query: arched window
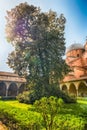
[12, 90]
[72, 89]
[64, 88]
[2, 89]
[21, 88]
[82, 89]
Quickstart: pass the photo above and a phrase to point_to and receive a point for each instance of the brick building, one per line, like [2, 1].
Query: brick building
[75, 82]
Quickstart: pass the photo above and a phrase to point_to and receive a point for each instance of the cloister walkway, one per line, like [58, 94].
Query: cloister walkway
[11, 84]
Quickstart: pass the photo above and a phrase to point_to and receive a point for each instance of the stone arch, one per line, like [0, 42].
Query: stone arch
[21, 88]
[2, 89]
[72, 89]
[82, 89]
[12, 89]
[64, 88]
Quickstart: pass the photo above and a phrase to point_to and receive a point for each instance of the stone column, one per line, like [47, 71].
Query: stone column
[68, 85]
[77, 86]
[60, 87]
[68, 90]
[77, 93]
[6, 92]
[7, 86]
[18, 85]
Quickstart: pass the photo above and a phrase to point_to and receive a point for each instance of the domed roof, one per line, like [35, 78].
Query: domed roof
[74, 46]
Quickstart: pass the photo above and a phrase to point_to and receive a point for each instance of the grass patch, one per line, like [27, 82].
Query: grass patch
[15, 103]
[82, 102]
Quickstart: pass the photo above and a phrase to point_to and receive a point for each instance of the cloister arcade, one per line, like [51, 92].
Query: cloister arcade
[11, 84]
[11, 88]
[76, 88]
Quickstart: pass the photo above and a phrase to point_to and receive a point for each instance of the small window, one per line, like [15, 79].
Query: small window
[77, 55]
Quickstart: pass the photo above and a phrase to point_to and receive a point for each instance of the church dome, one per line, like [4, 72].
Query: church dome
[74, 46]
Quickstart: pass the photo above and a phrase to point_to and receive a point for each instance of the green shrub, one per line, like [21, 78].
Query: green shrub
[23, 97]
[49, 108]
[27, 97]
[67, 98]
[44, 91]
[68, 122]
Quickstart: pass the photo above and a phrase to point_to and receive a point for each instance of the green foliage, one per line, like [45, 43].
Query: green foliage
[67, 98]
[16, 104]
[27, 97]
[37, 92]
[68, 122]
[25, 117]
[50, 108]
[23, 97]
[39, 43]
[19, 118]
[51, 90]
[49, 105]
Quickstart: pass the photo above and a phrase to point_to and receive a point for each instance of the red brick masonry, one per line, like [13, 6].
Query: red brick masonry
[76, 58]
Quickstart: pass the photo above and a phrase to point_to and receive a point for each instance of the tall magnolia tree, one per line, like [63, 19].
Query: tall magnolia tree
[38, 40]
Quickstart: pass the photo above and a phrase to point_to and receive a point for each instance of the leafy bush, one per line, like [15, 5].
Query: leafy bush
[27, 97]
[52, 110]
[68, 122]
[44, 91]
[23, 97]
[67, 98]
[53, 90]
[49, 108]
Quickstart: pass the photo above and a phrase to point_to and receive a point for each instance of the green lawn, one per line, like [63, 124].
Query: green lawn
[15, 103]
[82, 102]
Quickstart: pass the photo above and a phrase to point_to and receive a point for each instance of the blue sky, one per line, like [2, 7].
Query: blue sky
[75, 12]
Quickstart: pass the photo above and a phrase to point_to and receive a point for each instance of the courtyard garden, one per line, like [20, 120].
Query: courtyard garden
[39, 43]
